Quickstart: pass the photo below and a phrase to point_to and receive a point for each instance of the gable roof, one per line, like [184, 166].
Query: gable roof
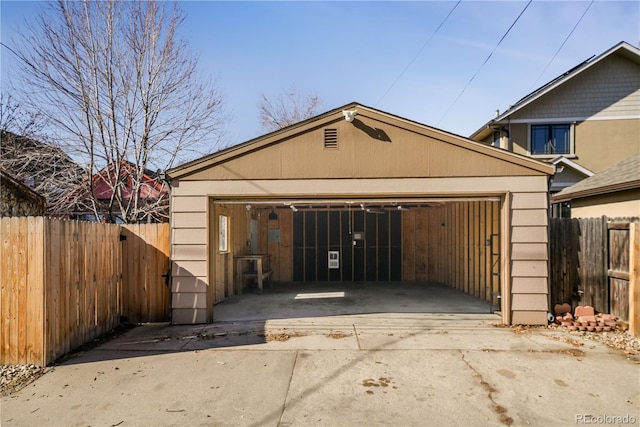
[619, 177]
[337, 114]
[563, 161]
[623, 48]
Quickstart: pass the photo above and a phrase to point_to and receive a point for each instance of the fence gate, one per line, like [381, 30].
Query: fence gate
[618, 268]
[145, 265]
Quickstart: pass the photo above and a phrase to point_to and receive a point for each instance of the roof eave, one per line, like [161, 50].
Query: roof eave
[598, 191]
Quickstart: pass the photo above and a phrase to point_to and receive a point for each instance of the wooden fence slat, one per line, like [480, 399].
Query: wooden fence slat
[35, 291]
[23, 265]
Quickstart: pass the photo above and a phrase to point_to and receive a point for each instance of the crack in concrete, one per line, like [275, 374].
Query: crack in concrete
[286, 395]
[357, 337]
[500, 410]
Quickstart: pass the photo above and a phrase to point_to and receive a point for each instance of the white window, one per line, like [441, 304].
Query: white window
[223, 233]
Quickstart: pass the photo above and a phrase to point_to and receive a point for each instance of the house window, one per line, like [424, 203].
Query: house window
[550, 139]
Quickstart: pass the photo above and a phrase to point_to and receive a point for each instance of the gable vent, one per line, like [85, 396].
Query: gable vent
[331, 138]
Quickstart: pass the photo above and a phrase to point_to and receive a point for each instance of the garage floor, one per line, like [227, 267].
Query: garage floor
[300, 300]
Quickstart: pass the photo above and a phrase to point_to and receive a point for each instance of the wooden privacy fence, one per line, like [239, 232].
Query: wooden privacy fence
[594, 261]
[64, 283]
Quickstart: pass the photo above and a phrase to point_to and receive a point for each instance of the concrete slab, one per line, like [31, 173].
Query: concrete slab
[298, 300]
[408, 388]
[368, 369]
[186, 388]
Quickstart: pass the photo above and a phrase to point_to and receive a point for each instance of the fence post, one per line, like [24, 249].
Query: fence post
[634, 278]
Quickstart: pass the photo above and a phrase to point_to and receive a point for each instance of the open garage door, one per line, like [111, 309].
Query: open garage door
[454, 242]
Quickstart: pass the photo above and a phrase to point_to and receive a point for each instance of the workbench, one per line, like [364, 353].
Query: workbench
[254, 266]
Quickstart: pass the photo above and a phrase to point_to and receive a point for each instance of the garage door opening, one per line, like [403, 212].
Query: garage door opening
[419, 242]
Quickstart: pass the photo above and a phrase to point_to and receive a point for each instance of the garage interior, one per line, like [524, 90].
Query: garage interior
[323, 244]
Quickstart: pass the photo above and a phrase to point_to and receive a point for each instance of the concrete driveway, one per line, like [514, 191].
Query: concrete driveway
[401, 368]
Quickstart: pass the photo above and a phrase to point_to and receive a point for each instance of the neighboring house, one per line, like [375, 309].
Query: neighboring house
[360, 195]
[43, 167]
[582, 122]
[16, 199]
[614, 192]
[153, 201]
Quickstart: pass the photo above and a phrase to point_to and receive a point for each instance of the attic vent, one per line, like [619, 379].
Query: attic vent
[331, 138]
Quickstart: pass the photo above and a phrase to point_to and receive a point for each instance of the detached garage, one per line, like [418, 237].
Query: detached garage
[360, 195]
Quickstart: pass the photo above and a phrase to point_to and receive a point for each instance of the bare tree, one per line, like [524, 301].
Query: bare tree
[288, 108]
[27, 155]
[122, 90]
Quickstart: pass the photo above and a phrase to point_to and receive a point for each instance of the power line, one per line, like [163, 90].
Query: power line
[418, 54]
[563, 43]
[483, 64]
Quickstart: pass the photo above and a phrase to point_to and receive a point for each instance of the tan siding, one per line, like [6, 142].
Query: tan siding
[188, 219]
[352, 187]
[529, 285]
[186, 316]
[391, 151]
[189, 268]
[529, 254]
[528, 302]
[189, 252]
[186, 236]
[189, 300]
[189, 284]
[529, 318]
[529, 269]
[529, 251]
[189, 204]
[529, 217]
[529, 234]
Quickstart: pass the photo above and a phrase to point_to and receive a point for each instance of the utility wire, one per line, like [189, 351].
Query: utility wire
[417, 54]
[563, 43]
[483, 64]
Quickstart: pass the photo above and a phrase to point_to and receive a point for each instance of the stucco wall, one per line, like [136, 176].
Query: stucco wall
[617, 205]
[598, 144]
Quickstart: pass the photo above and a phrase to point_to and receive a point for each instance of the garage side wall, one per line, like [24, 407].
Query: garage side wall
[529, 258]
[189, 240]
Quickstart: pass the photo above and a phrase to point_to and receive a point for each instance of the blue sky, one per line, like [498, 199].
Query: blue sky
[355, 51]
